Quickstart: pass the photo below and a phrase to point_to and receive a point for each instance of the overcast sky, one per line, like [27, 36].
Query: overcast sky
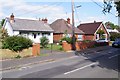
[56, 9]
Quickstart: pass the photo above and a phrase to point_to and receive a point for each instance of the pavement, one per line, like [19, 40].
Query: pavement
[55, 55]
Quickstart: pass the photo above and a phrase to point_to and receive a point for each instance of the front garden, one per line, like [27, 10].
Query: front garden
[14, 46]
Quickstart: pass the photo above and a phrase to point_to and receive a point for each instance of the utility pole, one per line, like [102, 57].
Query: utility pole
[119, 20]
[73, 28]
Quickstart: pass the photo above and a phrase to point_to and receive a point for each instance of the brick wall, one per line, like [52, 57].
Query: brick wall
[36, 49]
[83, 45]
[57, 37]
[89, 37]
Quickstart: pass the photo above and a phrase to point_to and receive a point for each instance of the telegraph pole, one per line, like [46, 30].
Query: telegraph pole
[73, 28]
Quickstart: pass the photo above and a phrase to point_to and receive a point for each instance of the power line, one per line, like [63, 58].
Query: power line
[102, 7]
[54, 4]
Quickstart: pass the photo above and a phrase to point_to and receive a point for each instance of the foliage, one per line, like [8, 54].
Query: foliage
[18, 56]
[44, 42]
[101, 32]
[2, 22]
[108, 6]
[16, 43]
[114, 36]
[3, 34]
[67, 39]
[113, 26]
[118, 7]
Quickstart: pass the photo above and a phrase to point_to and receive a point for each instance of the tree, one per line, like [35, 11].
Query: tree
[108, 6]
[2, 22]
[113, 26]
[118, 7]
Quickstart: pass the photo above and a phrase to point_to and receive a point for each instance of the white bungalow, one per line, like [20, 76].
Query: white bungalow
[32, 29]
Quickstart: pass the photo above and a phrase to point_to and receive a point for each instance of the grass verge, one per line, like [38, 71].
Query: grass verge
[54, 47]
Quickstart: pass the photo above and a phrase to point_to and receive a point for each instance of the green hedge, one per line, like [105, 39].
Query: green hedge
[16, 43]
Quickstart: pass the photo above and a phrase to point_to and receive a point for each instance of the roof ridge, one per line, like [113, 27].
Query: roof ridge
[25, 19]
[91, 22]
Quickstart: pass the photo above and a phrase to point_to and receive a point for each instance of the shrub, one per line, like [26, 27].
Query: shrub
[67, 39]
[114, 36]
[44, 42]
[16, 43]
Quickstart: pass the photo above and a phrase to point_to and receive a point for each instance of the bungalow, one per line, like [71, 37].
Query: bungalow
[94, 30]
[32, 29]
[62, 27]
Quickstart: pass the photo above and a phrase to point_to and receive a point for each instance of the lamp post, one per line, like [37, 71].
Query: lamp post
[73, 28]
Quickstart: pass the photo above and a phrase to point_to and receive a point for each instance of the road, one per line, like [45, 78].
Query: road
[82, 66]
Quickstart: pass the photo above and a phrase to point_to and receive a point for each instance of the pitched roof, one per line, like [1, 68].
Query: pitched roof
[30, 25]
[89, 28]
[60, 26]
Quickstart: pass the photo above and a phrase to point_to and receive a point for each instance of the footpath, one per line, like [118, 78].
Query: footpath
[17, 63]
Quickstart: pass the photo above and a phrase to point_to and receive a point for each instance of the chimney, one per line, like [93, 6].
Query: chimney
[39, 19]
[45, 20]
[11, 18]
[68, 20]
[94, 21]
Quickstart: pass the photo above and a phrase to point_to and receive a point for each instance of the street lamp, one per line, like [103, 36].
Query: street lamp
[73, 28]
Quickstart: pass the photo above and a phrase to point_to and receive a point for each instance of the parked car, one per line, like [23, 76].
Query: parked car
[102, 40]
[116, 43]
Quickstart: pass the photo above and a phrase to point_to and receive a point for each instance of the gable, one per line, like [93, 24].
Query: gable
[102, 27]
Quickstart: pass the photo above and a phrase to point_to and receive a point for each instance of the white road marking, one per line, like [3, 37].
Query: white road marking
[80, 68]
[113, 56]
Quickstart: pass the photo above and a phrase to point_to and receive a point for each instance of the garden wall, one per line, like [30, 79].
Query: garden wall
[83, 45]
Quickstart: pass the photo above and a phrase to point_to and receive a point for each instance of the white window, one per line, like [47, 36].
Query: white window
[66, 35]
[80, 37]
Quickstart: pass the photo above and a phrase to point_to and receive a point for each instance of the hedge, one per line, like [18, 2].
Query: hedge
[16, 43]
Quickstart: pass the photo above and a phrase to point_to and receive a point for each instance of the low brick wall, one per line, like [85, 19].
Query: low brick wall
[66, 46]
[36, 49]
[83, 45]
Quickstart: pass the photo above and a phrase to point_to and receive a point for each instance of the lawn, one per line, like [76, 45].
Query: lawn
[8, 54]
[54, 47]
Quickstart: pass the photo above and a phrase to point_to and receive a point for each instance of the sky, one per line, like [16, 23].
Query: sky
[90, 10]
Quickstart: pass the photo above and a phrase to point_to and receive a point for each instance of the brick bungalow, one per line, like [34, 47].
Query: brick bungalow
[91, 29]
[61, 26]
